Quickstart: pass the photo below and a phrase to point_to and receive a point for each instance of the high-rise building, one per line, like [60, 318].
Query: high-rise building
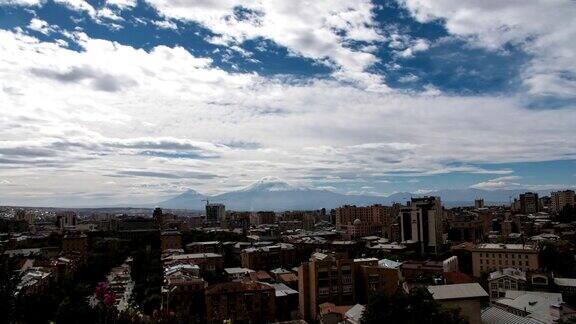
[492, 257]
[325, 279]
[66, 219]
[215, 213]
[527, 203]
[561, 199]
[479, 203]
[158, 217]
[241, 302]
[364, 221]
[421, 222]
[22, 215]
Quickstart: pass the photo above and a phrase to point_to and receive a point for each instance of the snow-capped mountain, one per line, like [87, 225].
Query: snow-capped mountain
[274, 194]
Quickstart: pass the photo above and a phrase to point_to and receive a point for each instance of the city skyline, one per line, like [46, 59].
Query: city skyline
[132, 101]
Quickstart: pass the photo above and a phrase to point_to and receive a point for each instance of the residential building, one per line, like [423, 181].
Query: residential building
[262, 217]
[241, 302]
[527, 203]
[372, 278]
[421, 223]
[268, 257]
[479, 203]
[561, 199]
[29, 218]
[75, 243]
[506, 279]
[215, 213]
[204, 247]
[208, 262]
[170, 240]
[466, 297]
[492, 257]
[182, 292]
[325, 279]
[535, 306]
[358, 222]
[66, 219]
[237, 274]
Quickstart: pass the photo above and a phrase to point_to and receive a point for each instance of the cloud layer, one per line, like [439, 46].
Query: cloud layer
[104, 121]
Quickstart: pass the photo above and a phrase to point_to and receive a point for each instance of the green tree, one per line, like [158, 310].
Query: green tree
[417, 307]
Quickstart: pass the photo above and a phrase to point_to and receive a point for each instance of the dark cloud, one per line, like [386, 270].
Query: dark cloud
[243, 145]
[165, 175]
[177, 154]
[98, 80]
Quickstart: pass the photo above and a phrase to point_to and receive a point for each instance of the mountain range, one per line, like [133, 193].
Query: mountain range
[274, 194]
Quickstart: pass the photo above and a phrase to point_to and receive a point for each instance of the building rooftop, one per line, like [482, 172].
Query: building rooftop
[354, 314]
[194, 256]
[232, 271]
[497, 246]
[536, 304]
[385, 263]
[510, 272]
[283, 290]
[457, 291]
[496, 315]
[203, 243]
[565, 282]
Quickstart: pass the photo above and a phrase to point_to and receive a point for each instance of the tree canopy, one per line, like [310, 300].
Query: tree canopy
[417, 307]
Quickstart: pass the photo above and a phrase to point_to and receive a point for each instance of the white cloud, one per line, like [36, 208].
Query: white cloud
[165, 24]
[79, 5]
[508, 182]
[419, 45]
[40, 26]
[115, 110]
[122, 4]
[544, 29]
[319, 30]
[26, 3]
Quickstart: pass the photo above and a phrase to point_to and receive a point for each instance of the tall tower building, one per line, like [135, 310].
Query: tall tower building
[479, 203]
[66, 219]
[421, 222]
[158, 217]
[529, 203]
[561, 199]
[215, 212]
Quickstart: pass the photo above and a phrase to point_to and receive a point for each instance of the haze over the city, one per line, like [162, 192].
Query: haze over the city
[125, 102]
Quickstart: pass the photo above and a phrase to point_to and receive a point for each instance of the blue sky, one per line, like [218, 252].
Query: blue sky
[131, 101]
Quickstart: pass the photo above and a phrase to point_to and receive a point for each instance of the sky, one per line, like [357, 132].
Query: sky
[132, 101]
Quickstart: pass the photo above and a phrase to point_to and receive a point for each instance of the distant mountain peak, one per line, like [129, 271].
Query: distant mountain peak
[272, 184]
[191, 193]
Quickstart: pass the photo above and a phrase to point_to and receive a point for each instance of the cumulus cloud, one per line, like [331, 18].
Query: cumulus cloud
[508, 182]
[544, 29]
[319, 30]
[40, 26]
[169, 111]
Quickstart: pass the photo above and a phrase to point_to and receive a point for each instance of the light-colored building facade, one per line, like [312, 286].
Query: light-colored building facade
[506, 279]
[466, 297]
[489, 257]
[421, 222]
[561, 199]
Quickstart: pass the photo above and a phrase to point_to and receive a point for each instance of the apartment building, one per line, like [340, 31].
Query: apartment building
[325, 279]
[491, 257]
[241, 302]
